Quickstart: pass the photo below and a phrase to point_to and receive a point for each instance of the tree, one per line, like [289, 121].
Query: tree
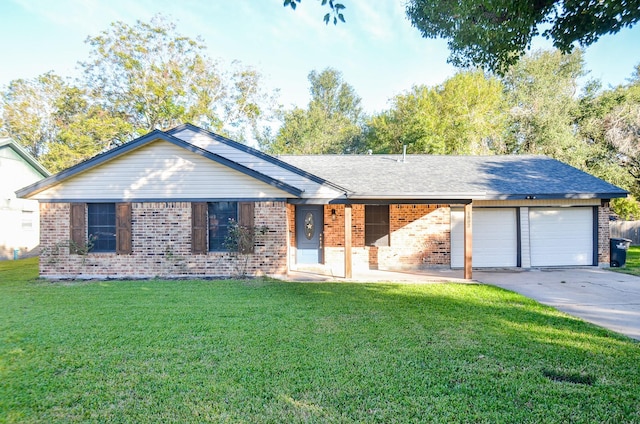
[28, 107]
[541, 91]
[138, 78]
[610, 122]
[57, 122]
[464, 115]
[494, 34]
[84, 130]
[335, 9]
[330, 124]
[156, 78]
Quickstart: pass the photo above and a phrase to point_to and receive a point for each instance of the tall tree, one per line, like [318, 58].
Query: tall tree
[330, 124]
[56, 121]
[28, 106]
[85, 129]
[464, 115]
[609, 121]
[157, 78]
[542, 93]
[494, 34]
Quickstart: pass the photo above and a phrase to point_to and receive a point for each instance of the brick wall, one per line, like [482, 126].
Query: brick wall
[420, 237]
[604, 235]
[161, 245]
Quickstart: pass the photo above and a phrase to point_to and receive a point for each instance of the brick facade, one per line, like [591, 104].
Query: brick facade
[161, 242]
[419, 237]
[161, 245]
[604, 235]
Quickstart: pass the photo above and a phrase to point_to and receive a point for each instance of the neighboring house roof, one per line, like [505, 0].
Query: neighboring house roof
[476, 177]
[353, 178]
[10, 143]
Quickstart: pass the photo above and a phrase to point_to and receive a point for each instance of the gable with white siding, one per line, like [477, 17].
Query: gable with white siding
[312, 186]
[160, 171]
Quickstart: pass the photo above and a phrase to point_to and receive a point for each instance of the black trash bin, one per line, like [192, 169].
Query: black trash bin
[618, 252]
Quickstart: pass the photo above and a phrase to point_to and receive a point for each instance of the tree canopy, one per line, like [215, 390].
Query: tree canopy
[156, 78]
[542, 91]
[464, 115]
[137, 78]
[28, 107]
[335, 9]
[494, 34]
[330, 124]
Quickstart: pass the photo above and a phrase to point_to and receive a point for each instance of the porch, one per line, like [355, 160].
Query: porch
[308, 274]
[363, 240]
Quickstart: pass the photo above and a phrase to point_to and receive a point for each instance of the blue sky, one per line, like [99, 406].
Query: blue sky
[377, 50]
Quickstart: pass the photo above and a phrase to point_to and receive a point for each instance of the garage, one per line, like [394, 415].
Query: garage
[561, 236]
[495, 237]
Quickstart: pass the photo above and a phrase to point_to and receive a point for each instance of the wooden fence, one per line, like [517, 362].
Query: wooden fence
[626, 229]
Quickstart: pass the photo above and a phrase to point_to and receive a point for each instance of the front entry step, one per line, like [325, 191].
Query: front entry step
[321, 269]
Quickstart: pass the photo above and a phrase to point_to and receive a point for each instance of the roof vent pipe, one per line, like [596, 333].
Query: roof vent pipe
[404, 153]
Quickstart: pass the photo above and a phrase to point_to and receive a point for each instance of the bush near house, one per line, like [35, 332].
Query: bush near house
[269, 351]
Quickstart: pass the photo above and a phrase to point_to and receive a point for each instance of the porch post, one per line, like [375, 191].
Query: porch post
[468, 241]
[287, 215]
[347, 242]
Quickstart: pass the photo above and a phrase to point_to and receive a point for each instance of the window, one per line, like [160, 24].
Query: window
[220, 213]
[27, 220]
[106, 225]
[210, 225]
[101, 219]
[376, 225]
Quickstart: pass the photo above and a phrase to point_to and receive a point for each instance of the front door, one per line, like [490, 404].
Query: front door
[309, 226]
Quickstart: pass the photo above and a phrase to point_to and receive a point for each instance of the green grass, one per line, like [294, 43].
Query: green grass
[632, 265]
[269, 351]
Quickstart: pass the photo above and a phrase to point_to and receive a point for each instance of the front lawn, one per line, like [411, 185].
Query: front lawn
[270, 351]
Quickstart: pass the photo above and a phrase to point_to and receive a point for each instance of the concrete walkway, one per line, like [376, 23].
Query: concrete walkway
[605, 298]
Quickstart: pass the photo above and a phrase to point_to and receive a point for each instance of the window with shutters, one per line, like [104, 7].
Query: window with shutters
[221, 215]
[78, 234]
[101, 228]
[210, 224]
[108, 227]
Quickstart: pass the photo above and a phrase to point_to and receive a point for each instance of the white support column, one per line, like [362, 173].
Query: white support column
[525, 249]
[347, 242]
[468, 241]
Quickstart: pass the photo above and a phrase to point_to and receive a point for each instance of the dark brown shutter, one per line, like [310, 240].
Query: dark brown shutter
[245, 219]
[198, 227]
[78, 234]
[123, 228]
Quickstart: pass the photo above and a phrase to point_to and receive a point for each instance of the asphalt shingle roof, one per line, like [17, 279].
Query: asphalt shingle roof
[481, 177]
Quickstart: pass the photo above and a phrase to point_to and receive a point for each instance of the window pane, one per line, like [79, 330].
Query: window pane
[376, 225]
[101, 219]
[27, 220]
[220, 214]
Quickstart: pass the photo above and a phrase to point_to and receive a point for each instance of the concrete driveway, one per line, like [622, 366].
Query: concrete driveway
[608, 299]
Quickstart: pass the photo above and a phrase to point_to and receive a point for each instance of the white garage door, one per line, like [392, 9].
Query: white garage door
[495, 238]
[561, 236]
